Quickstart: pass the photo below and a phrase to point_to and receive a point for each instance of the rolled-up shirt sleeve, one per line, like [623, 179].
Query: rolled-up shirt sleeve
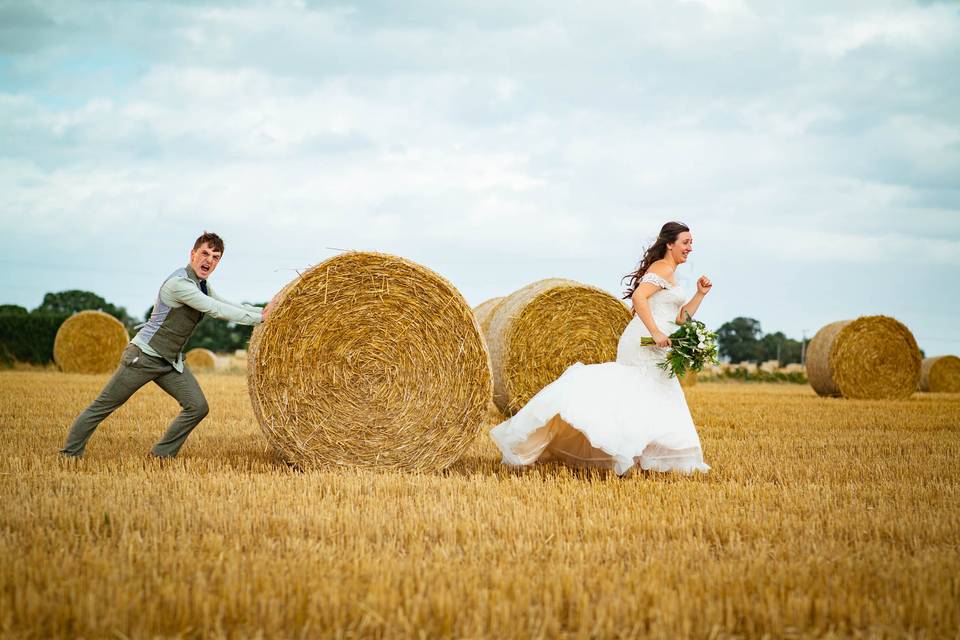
[243, 305]
[185, 291]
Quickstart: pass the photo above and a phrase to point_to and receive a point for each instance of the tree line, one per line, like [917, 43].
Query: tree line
[742, 340]
[27, 335]
[24, 333]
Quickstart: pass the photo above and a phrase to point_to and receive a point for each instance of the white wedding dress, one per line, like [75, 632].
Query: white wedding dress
[613, 415]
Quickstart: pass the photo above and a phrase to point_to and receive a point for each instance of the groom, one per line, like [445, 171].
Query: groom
[156, 352]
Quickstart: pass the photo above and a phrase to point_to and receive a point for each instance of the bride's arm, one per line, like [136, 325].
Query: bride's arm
[642, 308]
[687, 310]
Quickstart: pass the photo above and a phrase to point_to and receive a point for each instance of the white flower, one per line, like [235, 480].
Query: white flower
[701, 345]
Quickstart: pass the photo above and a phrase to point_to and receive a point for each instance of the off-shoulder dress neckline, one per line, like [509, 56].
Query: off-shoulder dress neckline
[673, 285]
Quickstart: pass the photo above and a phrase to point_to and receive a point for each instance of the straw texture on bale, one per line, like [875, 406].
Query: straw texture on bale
[689, 379]
[370, 360]
[200, 359]
[89, 342]
[872, 357]
[484, 312]
[535, 333]
[940, 374]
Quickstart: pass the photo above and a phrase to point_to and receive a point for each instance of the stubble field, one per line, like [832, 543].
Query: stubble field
[820, 518]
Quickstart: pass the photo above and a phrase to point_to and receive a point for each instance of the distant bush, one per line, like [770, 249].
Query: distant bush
[28, 337]
[77, 300]
[14, 309]
[743, 375]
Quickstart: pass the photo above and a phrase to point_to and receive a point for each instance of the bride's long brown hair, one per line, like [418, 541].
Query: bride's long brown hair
[656, 251]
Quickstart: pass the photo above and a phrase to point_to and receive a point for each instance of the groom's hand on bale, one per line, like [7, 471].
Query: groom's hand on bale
[267, 309]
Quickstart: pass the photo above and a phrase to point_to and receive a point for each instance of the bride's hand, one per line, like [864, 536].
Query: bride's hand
[662, 339]
[704, 285]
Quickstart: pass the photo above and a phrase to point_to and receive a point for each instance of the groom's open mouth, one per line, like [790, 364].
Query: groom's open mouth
[204, 269]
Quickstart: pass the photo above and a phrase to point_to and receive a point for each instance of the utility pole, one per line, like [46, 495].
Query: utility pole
[803, 349]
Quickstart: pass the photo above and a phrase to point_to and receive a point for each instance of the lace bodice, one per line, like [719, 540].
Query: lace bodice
[664, 306]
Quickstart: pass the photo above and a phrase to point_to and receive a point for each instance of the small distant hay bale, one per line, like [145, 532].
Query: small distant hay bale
[872, 357]
[769, 366]
[484, 312]
[940, 374]
[370, 360]
[535, 333]
[89, 342]
[200, 359]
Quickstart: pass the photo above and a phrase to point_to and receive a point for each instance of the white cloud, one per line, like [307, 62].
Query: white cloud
[507, 141]
[723, 6]
[915, 27]
[816, 246]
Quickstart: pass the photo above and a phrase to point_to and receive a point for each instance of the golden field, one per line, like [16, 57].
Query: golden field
[821, 517]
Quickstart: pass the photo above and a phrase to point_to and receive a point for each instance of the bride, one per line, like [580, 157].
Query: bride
[620, 414]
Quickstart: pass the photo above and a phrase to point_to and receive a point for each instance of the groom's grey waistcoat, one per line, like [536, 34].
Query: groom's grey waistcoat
[169, 328]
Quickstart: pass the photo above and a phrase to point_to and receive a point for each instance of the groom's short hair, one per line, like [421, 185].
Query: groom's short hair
[212, 239]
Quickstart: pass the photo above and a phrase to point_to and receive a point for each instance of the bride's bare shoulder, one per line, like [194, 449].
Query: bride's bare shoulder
[662, 269]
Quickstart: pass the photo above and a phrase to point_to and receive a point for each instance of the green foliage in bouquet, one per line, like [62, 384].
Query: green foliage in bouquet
[692, 347]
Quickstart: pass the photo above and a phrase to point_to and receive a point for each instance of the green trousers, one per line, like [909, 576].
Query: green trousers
[137, 369]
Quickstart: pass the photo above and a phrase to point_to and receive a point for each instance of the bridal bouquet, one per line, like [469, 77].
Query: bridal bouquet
[692, 347]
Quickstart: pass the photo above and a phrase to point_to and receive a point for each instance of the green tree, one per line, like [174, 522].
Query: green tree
[67, 302]
[739, 339]
[777, 346]
[13, 309]
[28, 337]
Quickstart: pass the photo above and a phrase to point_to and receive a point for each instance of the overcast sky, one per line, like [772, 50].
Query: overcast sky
[813, 147]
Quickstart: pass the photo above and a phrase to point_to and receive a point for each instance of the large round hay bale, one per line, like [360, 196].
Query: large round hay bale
[873, 357]
[370, 360]
[535, 333]
[89, 342]
[200, 359]
[940, 374]
[689, 379]
[484, 312]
